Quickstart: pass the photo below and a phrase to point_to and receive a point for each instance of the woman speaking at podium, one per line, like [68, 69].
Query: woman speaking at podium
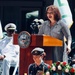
[56, 28]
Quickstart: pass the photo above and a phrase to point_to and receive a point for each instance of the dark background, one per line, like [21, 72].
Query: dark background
[15, 11]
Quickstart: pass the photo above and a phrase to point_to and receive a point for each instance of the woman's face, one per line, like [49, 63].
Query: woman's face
[50, 15]
[36, 58]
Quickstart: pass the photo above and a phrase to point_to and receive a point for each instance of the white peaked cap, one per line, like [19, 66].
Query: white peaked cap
[10, 26]
[41, 20]
[37, 51]
[36, 20]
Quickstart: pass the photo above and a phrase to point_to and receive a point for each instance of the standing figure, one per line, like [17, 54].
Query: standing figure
[8, 51]
[56, 28]
[38, 67]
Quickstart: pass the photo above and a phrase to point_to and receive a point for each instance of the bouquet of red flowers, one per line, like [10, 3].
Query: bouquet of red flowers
[61, 67]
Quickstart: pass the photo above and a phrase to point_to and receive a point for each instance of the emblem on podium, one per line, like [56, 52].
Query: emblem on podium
[24, 39]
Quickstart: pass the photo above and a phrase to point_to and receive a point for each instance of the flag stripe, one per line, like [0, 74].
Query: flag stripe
[65, 11]
[61, 4]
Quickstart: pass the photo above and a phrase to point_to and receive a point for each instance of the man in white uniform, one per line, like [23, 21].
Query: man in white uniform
[8, 51]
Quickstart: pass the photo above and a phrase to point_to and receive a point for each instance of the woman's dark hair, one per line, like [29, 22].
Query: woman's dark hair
[43, 55]
[55, 11]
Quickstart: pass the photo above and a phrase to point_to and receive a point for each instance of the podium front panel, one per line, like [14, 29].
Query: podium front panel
[45, 42]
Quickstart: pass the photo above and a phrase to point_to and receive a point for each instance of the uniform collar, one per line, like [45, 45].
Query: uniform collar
[42, 62]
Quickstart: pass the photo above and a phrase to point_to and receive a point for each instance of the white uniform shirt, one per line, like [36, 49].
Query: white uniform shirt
[7, 47]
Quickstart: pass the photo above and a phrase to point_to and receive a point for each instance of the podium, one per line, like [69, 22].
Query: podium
[46, 42]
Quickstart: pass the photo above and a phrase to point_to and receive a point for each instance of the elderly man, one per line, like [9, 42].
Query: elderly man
[38, 67]
[8, 51]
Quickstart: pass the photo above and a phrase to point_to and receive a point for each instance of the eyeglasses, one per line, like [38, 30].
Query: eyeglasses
[49, 12]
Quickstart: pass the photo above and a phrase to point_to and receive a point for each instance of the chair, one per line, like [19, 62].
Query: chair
[16, 66]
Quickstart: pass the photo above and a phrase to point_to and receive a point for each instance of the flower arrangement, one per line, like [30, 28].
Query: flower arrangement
[61, 67]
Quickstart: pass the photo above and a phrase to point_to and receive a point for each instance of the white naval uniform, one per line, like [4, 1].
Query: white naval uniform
[10, 51]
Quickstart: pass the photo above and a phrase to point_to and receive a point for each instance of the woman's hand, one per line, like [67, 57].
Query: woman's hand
[68, 50]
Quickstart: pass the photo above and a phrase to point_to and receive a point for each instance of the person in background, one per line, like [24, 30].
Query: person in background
[56, 28]
[40, 22]
[8, 51]
[38, 67]
[35, 25]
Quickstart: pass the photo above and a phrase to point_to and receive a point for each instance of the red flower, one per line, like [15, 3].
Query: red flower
[72, 70]
[49, 66]
[64, 63]
[58, 63]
